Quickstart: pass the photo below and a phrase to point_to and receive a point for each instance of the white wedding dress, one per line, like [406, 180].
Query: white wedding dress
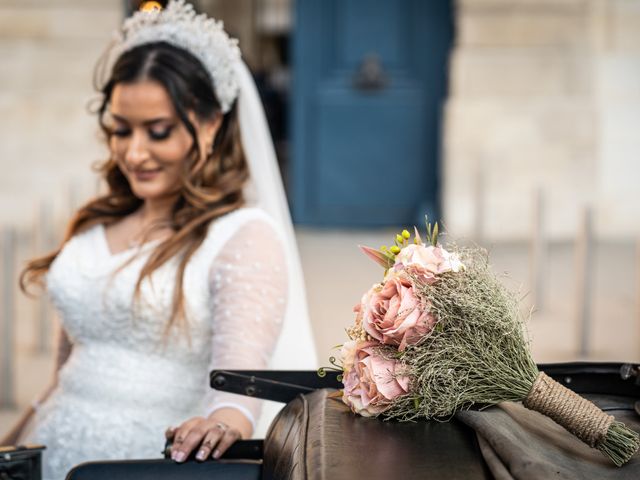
[125, 382]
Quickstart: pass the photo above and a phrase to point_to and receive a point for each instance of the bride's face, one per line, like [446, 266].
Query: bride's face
[149, 142]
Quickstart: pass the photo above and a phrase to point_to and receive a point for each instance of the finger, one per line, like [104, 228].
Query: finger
[180, 434]
[191, 441]
[211, 439]
[170, 432]
[228, 439]
[178, 439]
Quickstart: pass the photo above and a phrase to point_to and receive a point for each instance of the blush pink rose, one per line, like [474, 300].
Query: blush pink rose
[393, 315]
[427, 262]
[347, 355]
[373, 382]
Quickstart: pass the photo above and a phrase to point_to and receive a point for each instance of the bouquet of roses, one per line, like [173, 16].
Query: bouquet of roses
[441, 333]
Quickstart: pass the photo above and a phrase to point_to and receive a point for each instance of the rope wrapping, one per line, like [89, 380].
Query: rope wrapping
[575, 413]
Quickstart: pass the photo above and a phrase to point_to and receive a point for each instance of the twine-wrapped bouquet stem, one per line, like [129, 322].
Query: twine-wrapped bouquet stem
[582, 418]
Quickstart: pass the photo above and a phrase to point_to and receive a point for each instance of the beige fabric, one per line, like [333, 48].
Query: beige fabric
[518, 443]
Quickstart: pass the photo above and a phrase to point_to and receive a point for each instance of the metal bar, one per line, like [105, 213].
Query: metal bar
[258, 387]
[279, 386]
[7, 397]
[306, 378]
[613, 378]
[584, 271]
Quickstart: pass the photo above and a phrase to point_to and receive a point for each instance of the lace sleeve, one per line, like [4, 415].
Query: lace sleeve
[249, 296]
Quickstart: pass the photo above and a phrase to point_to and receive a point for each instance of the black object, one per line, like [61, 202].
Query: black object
[604, 378]
[241, 461]
[241, 449]
[167, 470]
[21, 463]
[276, 385]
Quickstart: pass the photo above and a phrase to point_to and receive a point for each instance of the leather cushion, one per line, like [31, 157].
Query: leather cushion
[317, 437]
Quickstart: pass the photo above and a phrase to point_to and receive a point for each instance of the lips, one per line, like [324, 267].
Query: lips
[146, 175]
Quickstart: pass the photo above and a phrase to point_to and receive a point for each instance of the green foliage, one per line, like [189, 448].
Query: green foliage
[432, 232]
[619, 444]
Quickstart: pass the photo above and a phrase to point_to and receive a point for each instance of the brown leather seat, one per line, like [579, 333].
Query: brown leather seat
[317, 437]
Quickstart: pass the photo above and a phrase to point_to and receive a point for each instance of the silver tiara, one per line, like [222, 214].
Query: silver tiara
[179, 25]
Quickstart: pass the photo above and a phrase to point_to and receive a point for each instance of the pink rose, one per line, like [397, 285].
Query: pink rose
[347, 355]
[373, 382]
[427, 261]
[359, 311]
[393, 314]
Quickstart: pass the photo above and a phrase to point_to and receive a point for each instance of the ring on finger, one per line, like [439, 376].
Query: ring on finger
[222, 426]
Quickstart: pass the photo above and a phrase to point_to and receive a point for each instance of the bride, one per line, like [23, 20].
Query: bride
[186, 264]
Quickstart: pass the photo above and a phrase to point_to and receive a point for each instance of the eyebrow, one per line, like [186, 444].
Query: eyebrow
[151, 121]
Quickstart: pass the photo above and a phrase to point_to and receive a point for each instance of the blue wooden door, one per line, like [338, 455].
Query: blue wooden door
[369, 80]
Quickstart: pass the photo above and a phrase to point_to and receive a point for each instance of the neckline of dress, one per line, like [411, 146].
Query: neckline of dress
[136, 249]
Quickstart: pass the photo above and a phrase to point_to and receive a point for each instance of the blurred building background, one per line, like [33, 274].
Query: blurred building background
[513, 122]
[544, 95]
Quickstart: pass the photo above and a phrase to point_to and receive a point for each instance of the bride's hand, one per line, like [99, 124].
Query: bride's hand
[211, 436]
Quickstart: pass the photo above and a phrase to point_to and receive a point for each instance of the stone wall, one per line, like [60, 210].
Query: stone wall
[48, 139]
[544, 96]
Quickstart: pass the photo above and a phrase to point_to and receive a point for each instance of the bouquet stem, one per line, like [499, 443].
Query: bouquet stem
[583, 419]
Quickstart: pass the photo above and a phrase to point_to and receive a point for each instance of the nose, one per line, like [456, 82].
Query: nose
[137, 151]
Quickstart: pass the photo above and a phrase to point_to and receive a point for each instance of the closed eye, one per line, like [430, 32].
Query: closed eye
[160, 134]
[121, 132]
